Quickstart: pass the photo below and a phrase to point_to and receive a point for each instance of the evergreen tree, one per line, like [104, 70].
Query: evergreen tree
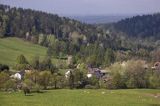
[21, 59]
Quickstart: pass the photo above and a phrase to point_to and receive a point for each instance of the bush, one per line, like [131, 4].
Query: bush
[135, 75]
[10, 85]
[44, 78]
[26, 90]
[28, 83]
[115, 81]
[36, 88]
[94, 81]
[154, 80]
[4, 67]
[21, 66]
[4, 77]
[131, 74]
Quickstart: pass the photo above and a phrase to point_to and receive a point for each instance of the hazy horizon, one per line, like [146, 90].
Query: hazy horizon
[89, 7]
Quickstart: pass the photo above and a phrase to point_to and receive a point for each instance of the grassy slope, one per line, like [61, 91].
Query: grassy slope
[10, 48]
[82, 98]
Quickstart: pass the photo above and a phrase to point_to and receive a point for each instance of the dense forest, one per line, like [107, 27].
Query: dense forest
[140, 26]
[26, 22]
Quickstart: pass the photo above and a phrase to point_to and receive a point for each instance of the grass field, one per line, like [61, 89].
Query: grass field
[10, 48]
[83, 98]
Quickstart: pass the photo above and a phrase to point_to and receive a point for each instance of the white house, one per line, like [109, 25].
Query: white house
[89, 75]
[16, 76]
[67, 74]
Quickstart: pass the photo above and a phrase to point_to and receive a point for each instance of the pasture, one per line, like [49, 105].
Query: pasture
[101, 97]
[12, 47]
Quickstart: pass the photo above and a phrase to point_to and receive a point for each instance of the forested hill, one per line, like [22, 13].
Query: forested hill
[26, 22]
[140, 26]
[62, 36]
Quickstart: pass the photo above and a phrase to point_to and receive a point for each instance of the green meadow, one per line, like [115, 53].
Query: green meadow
[101, 97]
[10, 48]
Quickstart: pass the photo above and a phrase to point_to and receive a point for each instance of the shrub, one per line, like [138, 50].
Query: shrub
[44, 78]
[26, 90]
[4, 67]
[136, 75]
[10, 85]
[154, 80]
[4, 77]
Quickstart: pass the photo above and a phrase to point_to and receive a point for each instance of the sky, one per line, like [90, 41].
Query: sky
[89, 7]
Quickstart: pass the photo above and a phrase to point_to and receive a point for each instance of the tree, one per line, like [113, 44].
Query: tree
[4, 77]
[156, 55]
[46, 64]
[33, 76]
[91, 60]
[26, 89]
[44, 78]
[116, 81]
[35, 62]
[21, 59]
[71, 80]
[94, 82]
[109, 57]
[79, 79]
[3, 20]
[55, 79]
[154, 79]
[135, 75]
[10, 84]
[22, 62]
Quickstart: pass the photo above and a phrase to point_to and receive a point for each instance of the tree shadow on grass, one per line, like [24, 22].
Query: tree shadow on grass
[29, 95]
[39, 91]
[35, 92]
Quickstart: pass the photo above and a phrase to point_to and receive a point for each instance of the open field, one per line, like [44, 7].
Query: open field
[10, 48]
[84, 97]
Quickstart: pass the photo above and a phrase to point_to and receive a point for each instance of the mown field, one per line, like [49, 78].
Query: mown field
[83, 98]
[10, 48]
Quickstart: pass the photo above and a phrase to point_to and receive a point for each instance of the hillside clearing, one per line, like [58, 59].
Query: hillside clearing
[10, 48]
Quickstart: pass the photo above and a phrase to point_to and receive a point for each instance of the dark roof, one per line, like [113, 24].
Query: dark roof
[157, 64]
[22, 72]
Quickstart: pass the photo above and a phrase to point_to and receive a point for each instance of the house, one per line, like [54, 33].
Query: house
[20, 75]
[67, 74]
[16, 76]
[97, 72]
[156, 66]
[28, 71]
[89, 75]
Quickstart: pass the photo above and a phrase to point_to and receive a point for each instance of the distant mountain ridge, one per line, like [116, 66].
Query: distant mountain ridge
[98, 19]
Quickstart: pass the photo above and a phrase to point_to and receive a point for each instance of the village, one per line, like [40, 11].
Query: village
[82, 76]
